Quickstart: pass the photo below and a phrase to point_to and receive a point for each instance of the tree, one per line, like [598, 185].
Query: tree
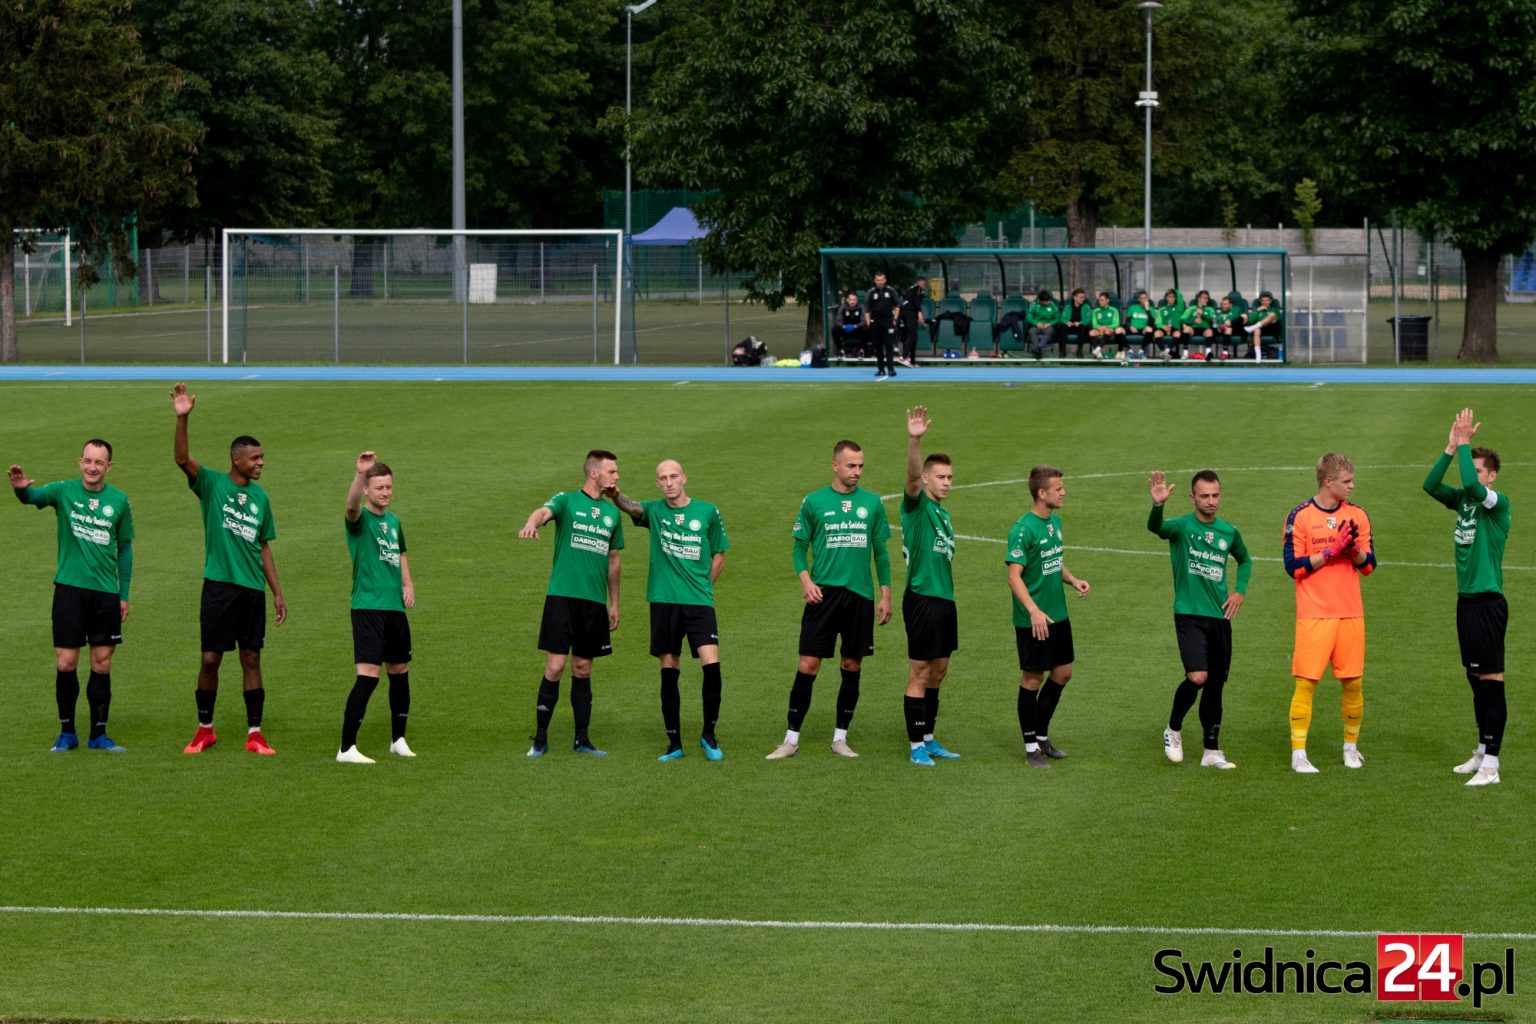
[1427, 107]
[1081, 150]
[84, 137]
[257, 83]
[817, 130]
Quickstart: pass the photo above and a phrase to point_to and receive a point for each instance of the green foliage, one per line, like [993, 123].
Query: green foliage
[258, 85]
[822, 127]
[85, 137]
[1427, 108]
[1305, 212]
[1081, 151]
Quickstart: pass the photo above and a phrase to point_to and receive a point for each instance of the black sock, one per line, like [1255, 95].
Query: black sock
[1479, 709]
[205, 699]
[711, 691]
[66, 692]
[1210, 712]
[671, 708]
[357, 707]
[399, 703]
[1028, 707]
[800, 699]
[1183, 700]
[98, 699]
[549, 696]
[1050, 696]
[931, 698]
[847, 698]
[581, 706]
[916, 711]
[1495, 714]
[255, 700]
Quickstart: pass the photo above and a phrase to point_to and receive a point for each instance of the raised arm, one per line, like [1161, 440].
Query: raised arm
[183, 403]
[1157, 485]
[629, 506]
[917, 426]
[26, 492]
[1462, 433]
[365, 462]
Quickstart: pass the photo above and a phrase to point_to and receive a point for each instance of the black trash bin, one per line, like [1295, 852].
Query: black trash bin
[1412, 336]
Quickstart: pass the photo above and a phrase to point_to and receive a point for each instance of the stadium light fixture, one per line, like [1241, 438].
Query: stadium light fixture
[1147, 100]
[630, 10]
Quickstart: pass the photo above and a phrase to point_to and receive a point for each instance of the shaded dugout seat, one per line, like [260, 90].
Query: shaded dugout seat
[983, 317]
[948, 335]
[1011, 337]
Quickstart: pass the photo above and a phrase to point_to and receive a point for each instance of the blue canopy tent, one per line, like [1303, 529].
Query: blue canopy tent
[678, 227]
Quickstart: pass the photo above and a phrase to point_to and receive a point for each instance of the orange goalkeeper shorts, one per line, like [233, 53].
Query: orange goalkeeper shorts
[1321, 642]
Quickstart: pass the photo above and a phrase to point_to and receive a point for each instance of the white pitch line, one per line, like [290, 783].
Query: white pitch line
[722, 922]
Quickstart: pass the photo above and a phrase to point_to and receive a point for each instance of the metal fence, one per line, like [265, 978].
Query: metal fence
[316, 302]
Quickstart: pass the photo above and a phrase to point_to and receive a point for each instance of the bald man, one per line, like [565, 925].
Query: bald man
[688, 545]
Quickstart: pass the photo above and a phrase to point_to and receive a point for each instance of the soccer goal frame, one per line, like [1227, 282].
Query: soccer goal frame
[463, 280]
[17, 237]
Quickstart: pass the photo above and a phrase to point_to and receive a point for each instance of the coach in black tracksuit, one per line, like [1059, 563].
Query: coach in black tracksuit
[880, 308]
[912, 318]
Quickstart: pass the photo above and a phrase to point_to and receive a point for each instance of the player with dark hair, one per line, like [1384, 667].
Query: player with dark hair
[238, 530]
[688, 545]
[1482, 614]
[841, 526]
[581, 606]
[382, 590]
[928, 602]
[1328, 547]
[90, 585]
[1042, 632]
[881, 309]
[1198, 545]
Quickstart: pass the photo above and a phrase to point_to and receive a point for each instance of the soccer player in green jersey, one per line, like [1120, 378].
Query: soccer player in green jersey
[90, 585]
[382, 590]
[688, 545]
[238, 529]
[1482, 527]
[928, 602]
[581, 606]
[841, 527]
[1042, 632]
[1198, 545]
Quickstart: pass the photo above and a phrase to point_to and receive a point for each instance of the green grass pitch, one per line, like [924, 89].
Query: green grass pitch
[1112, 837]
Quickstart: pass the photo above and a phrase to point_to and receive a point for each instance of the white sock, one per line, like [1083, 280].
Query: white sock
[927, 737]
[1299, 754]
[1031, 747]
[1482, 749]
[915, 745]
[251, 729]
[1350, 746]
[839, 735]
[792, 738]
[1490, 762]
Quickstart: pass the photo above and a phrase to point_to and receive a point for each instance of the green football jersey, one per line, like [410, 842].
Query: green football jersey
[1198, 552]
[1482, 524]
[928, 545]
[842, 531]
[236, 522]
[1037, 545]
[376, 543]
[91, 525]
[586, 529]
[684, 541]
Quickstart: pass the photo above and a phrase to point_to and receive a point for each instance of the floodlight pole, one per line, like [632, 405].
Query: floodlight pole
[1147, 100]
[630, 11]
[459, 284]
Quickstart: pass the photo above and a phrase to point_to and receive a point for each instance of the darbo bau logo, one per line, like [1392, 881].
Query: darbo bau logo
[1425, 968]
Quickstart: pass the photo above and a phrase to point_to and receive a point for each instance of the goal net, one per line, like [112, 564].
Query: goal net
[43, 274]
[422, 296]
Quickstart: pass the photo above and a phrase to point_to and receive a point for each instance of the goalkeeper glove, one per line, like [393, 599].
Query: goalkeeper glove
[1343, 541]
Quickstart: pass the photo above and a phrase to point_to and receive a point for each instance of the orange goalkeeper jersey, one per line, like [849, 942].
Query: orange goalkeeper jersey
[1331, 591]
